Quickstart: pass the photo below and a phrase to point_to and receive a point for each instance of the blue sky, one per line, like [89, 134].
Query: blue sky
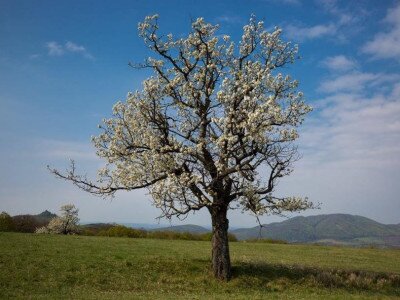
[63, 64]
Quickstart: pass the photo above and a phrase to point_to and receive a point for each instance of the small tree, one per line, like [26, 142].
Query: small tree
[213, 128]
[67, 223]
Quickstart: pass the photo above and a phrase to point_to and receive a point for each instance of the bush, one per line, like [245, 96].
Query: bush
[27, 223]
[267, 241]
[113, 230]
[232, 237]
[94, 229]
[6, 222]
[122, 231]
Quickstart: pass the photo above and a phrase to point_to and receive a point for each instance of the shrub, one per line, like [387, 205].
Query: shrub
[94, 229]
[267, 241]
[6, 222]
[122, 231]
[27, 223]
[232, 237]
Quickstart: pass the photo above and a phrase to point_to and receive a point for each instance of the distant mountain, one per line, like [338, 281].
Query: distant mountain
[184, 228]
[327, 229]
[333, 229]
[45, 216]
[29, 223]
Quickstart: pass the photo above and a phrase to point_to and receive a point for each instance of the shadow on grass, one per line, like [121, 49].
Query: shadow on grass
[277, 277]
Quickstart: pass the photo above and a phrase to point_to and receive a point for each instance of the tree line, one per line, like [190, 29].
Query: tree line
[67, 223]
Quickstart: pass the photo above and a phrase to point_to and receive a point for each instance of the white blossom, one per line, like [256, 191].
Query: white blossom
[212, 115]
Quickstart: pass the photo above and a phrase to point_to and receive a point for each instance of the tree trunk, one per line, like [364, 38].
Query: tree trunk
[221, 262]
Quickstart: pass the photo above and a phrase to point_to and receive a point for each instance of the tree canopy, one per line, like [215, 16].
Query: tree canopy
[213, 127]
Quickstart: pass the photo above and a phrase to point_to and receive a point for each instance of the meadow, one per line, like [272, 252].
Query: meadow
[92, 267]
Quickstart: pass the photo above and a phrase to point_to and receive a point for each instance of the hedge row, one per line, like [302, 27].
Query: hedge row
[123, 231]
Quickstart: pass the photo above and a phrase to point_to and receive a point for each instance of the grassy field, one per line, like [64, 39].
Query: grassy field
[44, 266]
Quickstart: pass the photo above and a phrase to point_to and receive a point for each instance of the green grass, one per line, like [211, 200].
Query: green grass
[46, 266]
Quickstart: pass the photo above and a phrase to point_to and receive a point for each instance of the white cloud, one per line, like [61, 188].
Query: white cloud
[306, 33]
[70, 46]
[355, 81]
[357, 125]
[386, 44]
[339, 63]
[34, 56]
[332, 7]
[230, 19]
[347, 82]
[356, 131]
[54, 49]
[351, 151]
[64, 150]
[57, 49]
[342, 25]
[289, 2]
[396, 91]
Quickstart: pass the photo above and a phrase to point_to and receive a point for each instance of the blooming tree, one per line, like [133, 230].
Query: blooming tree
[67, 223]
[212, 128]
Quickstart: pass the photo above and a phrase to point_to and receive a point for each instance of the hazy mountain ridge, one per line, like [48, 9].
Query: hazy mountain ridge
[327, 229]
[44, 216]
[29, 223]
[341, 229]
[330, 229]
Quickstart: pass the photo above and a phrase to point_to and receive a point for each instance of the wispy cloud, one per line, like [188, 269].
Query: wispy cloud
[57, 49]
[64, 150]
[351, 149]
[54, 49]
[72, 47]
[386, 44]
[287, 2]
[310, 32]
[339, 63]
[34, 56]
[357, 125]
[332, 7]
[292, 2]
[356, 81]
[357, 130]
[344, 23]
[229, 19]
